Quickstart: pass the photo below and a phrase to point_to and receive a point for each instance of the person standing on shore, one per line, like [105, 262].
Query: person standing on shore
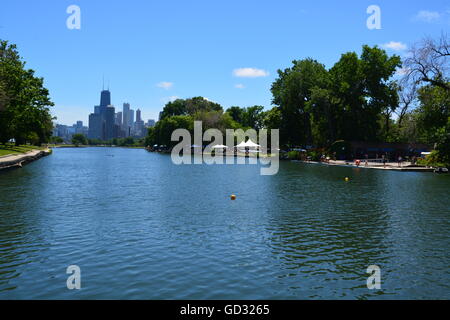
[384, 160]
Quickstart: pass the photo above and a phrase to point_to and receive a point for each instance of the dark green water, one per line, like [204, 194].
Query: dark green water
[140, 227]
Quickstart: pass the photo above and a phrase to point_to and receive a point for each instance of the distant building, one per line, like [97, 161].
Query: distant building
[138, 115]
[119, 119]
[391, 150]
[131, 119]
[61, 131]
[139, 126]
[109, 122]
[126, 119]
[151, 123]
[66, 132]
[103, 120]
[106, 124]
[105, 98]
[95, 126]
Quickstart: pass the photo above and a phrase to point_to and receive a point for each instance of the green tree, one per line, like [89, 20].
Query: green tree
[364, 92]
[253, 117]
[236, 113]
[128, 141]
[272, 118]
[162, 132]
[56, 139]
[433, 111]
[291, 92]
[24, 101]
[79, 139]
[324, 116]
[319, 106]
[183, 107]
[443, 143]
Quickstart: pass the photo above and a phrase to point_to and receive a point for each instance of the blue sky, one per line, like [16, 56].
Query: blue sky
[152, 51]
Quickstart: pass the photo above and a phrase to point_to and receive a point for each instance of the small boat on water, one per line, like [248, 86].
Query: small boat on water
[440, 170]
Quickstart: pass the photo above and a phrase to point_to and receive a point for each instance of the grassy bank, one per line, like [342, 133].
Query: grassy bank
[92, 146]
[10, 149]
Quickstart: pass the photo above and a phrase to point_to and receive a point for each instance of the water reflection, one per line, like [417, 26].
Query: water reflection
[141, 227]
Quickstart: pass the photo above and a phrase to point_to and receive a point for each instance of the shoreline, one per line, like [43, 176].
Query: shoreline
[93, 146]
[391, 166]
[18, 160]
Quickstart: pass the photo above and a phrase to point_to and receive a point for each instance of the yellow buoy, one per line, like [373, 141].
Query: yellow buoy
[347, 179]
[233, 197]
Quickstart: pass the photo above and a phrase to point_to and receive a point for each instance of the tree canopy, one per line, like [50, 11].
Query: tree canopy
[79, 139]
[360, 98]
[319, 106]
[24, 101]
[184, 107]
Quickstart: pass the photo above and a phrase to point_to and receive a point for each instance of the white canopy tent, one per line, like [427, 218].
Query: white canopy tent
[220, 146]
[251, 144]
[241, 145]
[248, 144]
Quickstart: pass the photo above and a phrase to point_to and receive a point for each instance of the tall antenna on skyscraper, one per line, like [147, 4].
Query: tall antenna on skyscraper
[103, 87]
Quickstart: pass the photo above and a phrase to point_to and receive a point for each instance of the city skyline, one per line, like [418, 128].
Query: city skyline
[105, 123]
[158, 51]
[106, 100]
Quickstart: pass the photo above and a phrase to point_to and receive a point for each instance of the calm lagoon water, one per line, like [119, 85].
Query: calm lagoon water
[140, 227]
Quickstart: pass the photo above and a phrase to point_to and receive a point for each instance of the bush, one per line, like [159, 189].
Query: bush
[78, 139]
[294, 155]
[314, 155]
[341, 148]
[432, 160]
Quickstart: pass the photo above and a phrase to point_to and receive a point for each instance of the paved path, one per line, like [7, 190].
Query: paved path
[14, 160]
[405, 166]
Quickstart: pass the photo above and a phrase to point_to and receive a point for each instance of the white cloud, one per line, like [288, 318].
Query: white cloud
[427, 16]
[396, 46]
[165, 85]
[239, 86]
[250, 73]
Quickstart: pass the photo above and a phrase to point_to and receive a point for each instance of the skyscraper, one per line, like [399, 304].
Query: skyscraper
[138, 115]
[139, 127]
[126, 119]
[95, 125]
[119, 119]
[131, 118]
[110, 121]
[105, 98]
[102, 121]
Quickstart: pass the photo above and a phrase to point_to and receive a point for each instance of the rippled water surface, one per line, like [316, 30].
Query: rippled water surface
[140, 227]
